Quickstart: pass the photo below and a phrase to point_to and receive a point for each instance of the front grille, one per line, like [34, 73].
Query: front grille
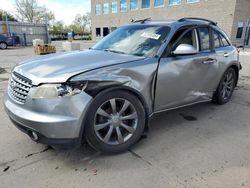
[19, 87]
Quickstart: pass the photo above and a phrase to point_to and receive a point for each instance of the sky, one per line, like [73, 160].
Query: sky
[64, 10]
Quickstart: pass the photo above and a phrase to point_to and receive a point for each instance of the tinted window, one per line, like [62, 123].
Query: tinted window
[219, 40]
[204, 38]
[224, 41]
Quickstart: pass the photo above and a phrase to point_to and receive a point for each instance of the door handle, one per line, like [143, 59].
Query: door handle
[210, 61]
[226, 54]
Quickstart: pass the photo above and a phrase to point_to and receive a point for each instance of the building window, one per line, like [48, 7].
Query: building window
[98, 32]
[159, 3]
[105, 8]
[134, 4]
[174, 2]
[193, 1]
[98, 9]
[145, 3]
[105, 31]
[114, 7]
[240, 28]
[124, 5]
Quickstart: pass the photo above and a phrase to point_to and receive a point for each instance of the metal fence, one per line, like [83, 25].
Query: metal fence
[27, 32]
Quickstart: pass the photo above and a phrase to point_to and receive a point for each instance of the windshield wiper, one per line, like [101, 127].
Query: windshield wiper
[114, 51]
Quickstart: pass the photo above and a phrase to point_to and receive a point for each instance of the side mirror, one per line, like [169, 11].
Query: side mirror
[185, 49]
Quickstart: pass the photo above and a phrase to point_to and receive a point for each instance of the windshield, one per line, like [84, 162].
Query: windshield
[137, 40]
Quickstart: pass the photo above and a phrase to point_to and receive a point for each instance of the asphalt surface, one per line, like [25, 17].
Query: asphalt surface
[205, 145]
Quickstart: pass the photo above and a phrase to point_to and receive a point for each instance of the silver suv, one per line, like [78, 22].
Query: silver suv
[106, 94]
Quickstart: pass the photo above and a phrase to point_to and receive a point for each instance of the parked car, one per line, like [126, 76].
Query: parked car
[107, 94]
[8, 41]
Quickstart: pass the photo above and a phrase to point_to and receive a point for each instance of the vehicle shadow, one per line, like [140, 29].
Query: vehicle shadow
[160, 127]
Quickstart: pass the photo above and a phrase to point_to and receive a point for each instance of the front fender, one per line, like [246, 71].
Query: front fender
[137, 76]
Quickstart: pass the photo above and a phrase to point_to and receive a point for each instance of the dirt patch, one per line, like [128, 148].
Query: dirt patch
[31, 154]
[6, 169]
[2, 70]
[188, 117]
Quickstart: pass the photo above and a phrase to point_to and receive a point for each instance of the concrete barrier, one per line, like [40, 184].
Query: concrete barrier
[70, 46]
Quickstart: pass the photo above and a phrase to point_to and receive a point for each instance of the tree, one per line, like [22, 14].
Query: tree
[9, 16]
[82, 22]
[31, 11]
[57, 27]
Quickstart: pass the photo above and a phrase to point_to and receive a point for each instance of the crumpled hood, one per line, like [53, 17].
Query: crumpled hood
[59, 67]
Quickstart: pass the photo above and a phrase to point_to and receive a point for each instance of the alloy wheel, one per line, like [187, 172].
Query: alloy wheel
[227, 86]
[115, 121]
[3, 45]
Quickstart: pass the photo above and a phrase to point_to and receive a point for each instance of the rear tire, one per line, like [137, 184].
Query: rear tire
[3, 45]
[226, 87]
[115, 122]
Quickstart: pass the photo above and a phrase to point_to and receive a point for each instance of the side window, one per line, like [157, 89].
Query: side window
[177, 39]
[219, 39]
[188, 38]
[204, 38]
[224, 41]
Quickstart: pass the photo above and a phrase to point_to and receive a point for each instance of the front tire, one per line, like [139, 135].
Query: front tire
[3, 45]
[115, 122]
[226, 87]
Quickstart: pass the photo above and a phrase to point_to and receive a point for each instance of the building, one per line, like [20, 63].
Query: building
[232, 15]
[26, 32]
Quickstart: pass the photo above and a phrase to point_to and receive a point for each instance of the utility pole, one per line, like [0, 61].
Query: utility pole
[7, 23]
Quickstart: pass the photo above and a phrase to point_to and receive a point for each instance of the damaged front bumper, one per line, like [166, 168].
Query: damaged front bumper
[50, 121]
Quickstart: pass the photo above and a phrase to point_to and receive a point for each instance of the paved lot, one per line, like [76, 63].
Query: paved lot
[200, 146]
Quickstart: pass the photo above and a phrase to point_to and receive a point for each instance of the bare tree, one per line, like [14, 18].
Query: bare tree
[31, 11]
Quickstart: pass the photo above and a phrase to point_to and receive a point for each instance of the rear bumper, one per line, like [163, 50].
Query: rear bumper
[55, 121]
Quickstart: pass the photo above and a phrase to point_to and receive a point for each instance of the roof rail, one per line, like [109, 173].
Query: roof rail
[142, 21]
[198, 19]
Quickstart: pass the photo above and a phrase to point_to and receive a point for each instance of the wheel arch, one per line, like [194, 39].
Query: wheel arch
[237, 70]
[115, 88]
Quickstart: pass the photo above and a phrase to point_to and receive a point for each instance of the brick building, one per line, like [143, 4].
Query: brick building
[232, 15]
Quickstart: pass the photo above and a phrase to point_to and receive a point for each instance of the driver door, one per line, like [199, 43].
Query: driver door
[187, 78]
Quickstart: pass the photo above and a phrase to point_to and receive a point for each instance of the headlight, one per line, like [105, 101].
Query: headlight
[50, 91]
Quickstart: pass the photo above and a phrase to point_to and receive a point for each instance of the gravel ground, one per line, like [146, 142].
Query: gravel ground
[199, 146]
